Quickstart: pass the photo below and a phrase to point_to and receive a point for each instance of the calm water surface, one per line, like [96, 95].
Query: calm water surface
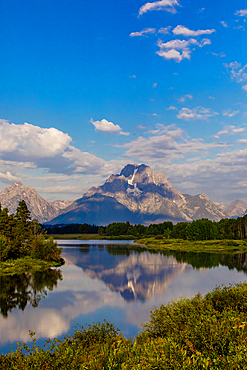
[106, 280]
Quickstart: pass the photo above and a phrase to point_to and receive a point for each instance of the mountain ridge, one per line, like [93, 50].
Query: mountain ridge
[147, 194]
[38, 206]
[137, 194]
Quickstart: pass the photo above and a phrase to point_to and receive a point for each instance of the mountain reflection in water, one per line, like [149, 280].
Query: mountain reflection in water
[143, 274]
[100, 281]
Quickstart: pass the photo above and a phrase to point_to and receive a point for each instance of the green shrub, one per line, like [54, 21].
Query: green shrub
[199, 333]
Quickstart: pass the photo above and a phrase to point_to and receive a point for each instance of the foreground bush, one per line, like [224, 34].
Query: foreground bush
[200, 333]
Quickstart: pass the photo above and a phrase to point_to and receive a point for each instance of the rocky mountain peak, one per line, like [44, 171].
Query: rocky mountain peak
[38, 206]
[129, 169]
[203, 196]
[142, 174]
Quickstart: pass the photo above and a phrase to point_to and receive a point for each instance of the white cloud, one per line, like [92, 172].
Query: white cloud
[8, 176]
[164, 30]
[133, 76]
[154, 84]
[168, 143]
[28, 140]
[224, 24]
[144, 32]
[237, 72]
[181, 30]
[169, 50]
[184, 97]
[230, 130]
[244, 87]
[221, 55]
[241, 13]
[195, 113]
[171, 108]
[108, 127]
[230, 113]
[28, 147]
[238, 130]
[167, 5]
[223, 132]
[178, 49]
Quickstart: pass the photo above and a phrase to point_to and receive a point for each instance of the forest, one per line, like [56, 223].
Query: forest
[202, 229]
[20, 237]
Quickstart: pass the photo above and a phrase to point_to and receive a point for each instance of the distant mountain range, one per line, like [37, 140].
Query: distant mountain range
[138, 195]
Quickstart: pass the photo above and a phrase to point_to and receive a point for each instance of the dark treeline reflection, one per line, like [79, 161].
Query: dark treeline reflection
[20, 289]
[196, 260]
[209, 260]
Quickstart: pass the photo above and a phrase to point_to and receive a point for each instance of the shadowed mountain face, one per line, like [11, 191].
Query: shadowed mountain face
[139, 195]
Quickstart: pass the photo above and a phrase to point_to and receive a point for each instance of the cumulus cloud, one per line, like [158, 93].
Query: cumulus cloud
[26, 146]
[241, 13]
[144, 32]
[184, 97]
[195, 113]
[108, 127]
[28, 140]
[181, 30]
[179, 49]
[168, 5]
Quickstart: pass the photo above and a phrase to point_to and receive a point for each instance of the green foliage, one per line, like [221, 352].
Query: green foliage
[26, 264]
[200, 333]
[179, 230]
[214, 246]
[21, 237]
[71, 229]
[203, 229]
[121, 228]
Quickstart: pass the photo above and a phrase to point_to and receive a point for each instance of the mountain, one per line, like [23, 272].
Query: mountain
[235, 209]
[200, 206]
[39, 207]
[139, 195]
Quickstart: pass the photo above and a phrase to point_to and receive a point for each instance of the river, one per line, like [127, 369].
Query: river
[106, 280]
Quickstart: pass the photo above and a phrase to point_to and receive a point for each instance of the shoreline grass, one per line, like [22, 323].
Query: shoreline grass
[26, 264]
[207, 246]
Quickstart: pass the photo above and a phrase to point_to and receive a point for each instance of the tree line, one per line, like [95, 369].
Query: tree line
[20, 236]
[202, 229]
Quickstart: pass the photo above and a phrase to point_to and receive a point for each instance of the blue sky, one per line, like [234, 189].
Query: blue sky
[87, 87]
